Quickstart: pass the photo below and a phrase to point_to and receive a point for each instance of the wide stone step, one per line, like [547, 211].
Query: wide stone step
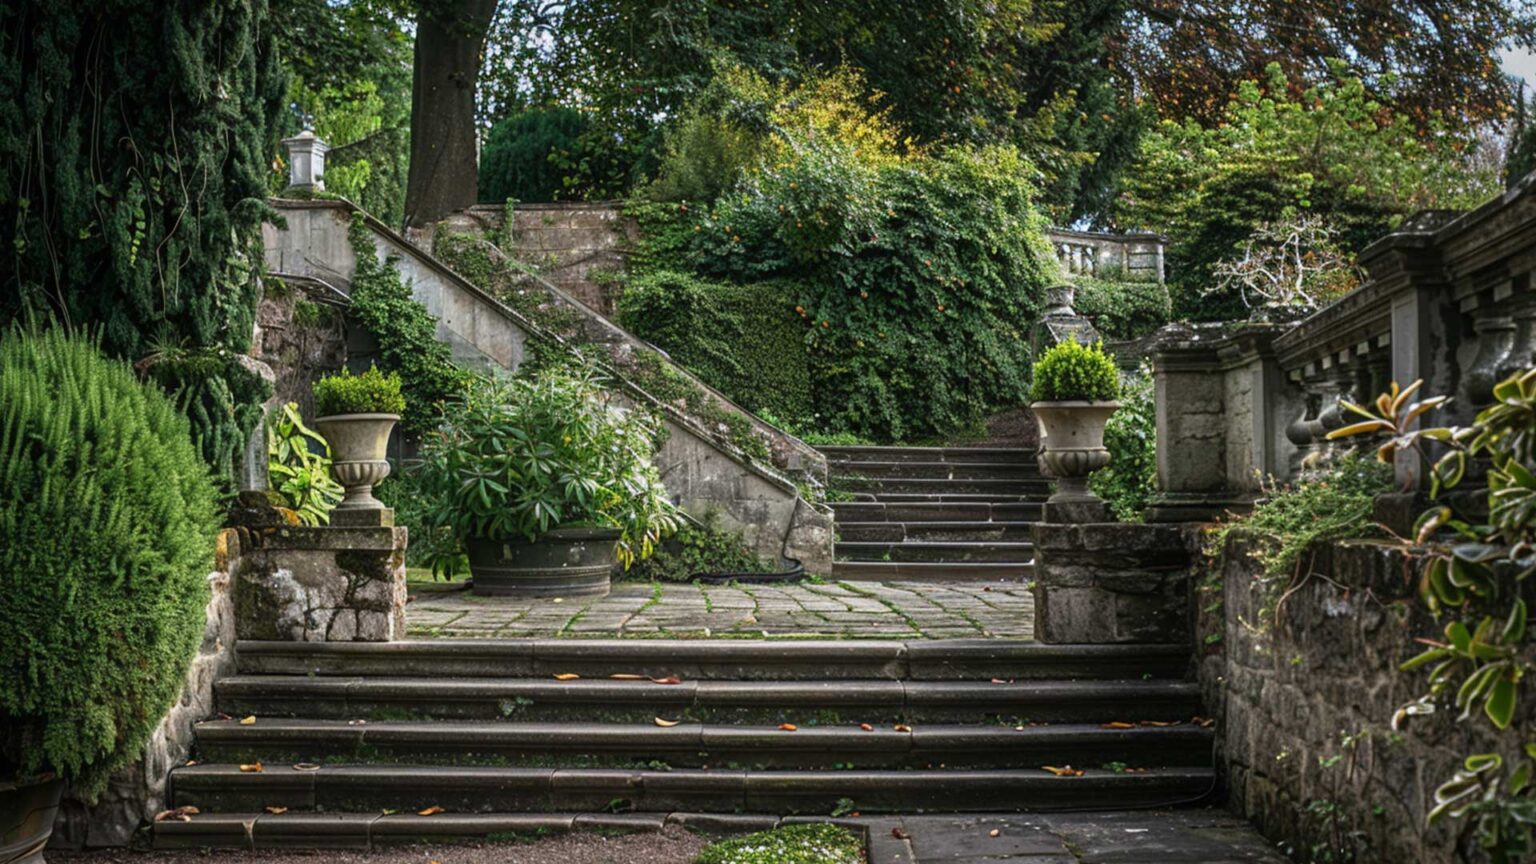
[370, 789]
[717, 659]
[932, 571]
[927, 551]
[863, 512]
[928, 454]
[985, 498]
[937, 470]
[700, 745]
[896, 532]
[770, 702]
[1038, 487]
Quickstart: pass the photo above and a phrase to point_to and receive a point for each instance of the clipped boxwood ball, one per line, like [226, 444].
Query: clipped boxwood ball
[107, 531]
[1070, 371]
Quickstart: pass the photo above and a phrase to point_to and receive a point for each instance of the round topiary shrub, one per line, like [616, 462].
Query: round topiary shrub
[107, 531]
[1072, 371]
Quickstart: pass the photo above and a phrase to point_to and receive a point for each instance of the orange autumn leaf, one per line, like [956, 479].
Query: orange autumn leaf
[1119, 724]
[902, 727]
[1065, 771]
[430, 811]
[670, 679]
[249, 721]
[866, 727]
[625, 676]
[180, 814]
[567, 676]
[788, 727]
[276, 811]
[251, 768]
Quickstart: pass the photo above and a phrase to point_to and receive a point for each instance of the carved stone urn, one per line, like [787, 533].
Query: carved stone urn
[1072, 446]
[359, 443]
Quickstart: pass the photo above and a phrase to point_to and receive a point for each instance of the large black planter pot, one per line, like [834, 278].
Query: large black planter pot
[27, 811]
[566, 562]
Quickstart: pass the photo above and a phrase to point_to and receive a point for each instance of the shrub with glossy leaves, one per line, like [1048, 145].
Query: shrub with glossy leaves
[1070, 371]
[1129, 481]
[107, 529]
[521, 457]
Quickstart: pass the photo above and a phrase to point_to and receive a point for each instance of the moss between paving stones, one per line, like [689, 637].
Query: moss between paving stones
[790, 844]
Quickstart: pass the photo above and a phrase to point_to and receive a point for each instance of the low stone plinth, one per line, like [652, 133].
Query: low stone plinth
[1112, 583]
[326, 584]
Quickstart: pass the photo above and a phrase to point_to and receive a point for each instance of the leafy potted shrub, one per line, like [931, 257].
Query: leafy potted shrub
[546, 483]
[1073, 394]
[356, 414]
[107, 531]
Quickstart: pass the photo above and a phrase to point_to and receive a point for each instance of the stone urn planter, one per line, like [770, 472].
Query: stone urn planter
[1072, 445]
[27, 811]
[565, 562]
[358, 446]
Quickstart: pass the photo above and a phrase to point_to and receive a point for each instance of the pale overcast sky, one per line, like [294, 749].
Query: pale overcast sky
[1520, 62]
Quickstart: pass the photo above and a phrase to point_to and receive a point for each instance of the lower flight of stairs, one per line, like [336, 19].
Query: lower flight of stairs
[934, 513]
[353, 741]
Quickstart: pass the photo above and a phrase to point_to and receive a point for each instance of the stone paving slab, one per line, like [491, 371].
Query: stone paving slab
[848, 610]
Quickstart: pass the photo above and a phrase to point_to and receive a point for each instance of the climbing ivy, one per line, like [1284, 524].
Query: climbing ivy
[139, 135]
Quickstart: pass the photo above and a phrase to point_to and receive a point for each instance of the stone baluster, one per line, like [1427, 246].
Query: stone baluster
[1299, 432]
[1522, 353]
[1495, 341]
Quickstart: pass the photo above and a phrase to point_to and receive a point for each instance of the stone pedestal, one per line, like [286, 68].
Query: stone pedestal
[1112, 583]
[328, 584]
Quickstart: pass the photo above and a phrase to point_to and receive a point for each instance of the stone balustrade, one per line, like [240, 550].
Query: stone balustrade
[1092, 253]
[1448, 301]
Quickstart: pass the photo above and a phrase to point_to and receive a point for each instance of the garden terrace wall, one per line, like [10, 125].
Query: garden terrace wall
[1305, 697]
[1091, 253]
[702, 470]
[134, 796]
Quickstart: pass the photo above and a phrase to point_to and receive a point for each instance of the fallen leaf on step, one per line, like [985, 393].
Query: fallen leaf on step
[306, 766]
[902, 727]
[251, 768]
[249, 721]
[567, 676]
[277, 811]
[900, 834]
[388, 812]
[1065, 771]
[670, 679]
[430, 811]
[1001, 681]
[1203, 722]
[994, 832]
[190, 762]
[1161, 723]
[625, 676]
[666, 723]
[866, 727]
[1119, 724]
[788, 727]
[180, 814]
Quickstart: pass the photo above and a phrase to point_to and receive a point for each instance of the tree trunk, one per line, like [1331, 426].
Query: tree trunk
[443, 174]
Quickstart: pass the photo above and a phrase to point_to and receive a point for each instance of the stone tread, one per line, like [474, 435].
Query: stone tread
[341, 790]
[927, 454]
[936, 470]
[694, 744]
[957, 571]
[935, 551]
[736, 659]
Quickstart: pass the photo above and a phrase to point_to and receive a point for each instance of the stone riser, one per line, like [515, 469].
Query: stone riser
[896, 532]
[933, 552]
[938, 470]
[1037, 489]
[934, 511]
[932, 571]
[729, 659]
[359, 790]
[929, 454]
[698, 745]
[761, 702]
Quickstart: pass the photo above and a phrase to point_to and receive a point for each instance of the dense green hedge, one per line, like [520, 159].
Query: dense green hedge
[107, 529]
[1123, 309]
[744, 340]
[528, 155]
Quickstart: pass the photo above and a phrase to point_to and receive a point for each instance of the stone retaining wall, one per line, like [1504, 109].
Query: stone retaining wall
[1112, 583]
[1305, 701]
[322, 584]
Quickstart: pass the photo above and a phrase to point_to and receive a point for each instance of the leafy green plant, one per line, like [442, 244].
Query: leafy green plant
[705, 548]
[372, 392]
[1071, 371]
[107, 531]
[520, 457]
[790, 844]
[523, 154]
[299, 467]
[1123, 308]
[1129, 481]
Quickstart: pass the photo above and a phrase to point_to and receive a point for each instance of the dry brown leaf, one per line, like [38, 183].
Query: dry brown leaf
[1064, 771]
[624, 676]
[670, 679]
[180, 814]
[902, 727]
[430, 811]
[866, 727]
[900, 834]
[1001, 681]
[788, 727]
[277, 811]
[666, 723]
[1119, 724]
[306, 766]
[249, 721]
[251, 768]
[994, 832]
[1161, 723]
[567, 676]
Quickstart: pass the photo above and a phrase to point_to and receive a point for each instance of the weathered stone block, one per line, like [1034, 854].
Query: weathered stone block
[331, 584]
[1112, 583]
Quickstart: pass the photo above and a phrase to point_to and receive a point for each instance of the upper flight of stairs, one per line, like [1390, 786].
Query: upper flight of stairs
[935, 512]
[354, 740]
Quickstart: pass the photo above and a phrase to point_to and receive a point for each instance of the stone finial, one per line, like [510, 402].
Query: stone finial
[306, 161]
[1059, 299]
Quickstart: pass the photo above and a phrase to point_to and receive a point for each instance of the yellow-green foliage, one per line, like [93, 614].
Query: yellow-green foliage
[372, 392]
[1070, 370]
[107, 528]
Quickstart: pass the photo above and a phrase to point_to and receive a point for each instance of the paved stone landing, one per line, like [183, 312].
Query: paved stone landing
[862, 610]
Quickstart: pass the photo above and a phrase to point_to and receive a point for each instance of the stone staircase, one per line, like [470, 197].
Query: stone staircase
[935, 513]
[344, 744]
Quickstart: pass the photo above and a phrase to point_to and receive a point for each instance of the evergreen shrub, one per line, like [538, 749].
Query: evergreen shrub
[107, 531]
[1129, 481]
[1070, 370]
[525, 154]
[1123, 309]
[372, 392]
[744, 340]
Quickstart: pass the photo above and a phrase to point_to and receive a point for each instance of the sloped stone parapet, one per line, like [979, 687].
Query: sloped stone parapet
[322, 584]
[1108, 582]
